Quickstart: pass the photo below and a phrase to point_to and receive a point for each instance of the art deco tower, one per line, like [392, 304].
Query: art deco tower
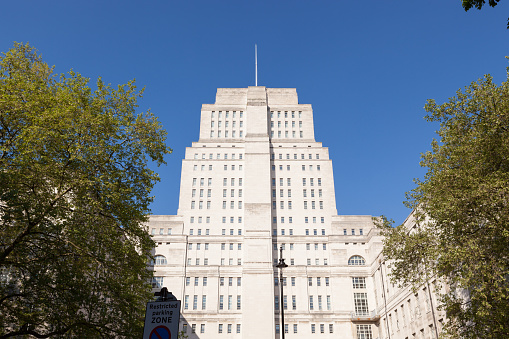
[257, 180]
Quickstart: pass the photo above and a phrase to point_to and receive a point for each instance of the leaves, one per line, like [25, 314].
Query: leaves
[461, 212]
[74, 187]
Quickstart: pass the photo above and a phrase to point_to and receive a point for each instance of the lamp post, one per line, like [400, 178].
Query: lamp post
[281, 265]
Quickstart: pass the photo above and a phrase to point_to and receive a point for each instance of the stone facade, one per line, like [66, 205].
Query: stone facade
[255, 181]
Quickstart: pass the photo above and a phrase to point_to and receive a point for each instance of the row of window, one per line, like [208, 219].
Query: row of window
[226, 124]
[280, 135]
[280, 114]
[225, 182]
[363, 331]
[227, 134]
[208, 204]
[231, 281]
[232, 193]
[225, 167]
[286, 124]
[206, 262]
[353, 261]
[207, 231]
[288, 167]
[312, 307]
[202, 328]
[206, 246]
[289, 204]
[310, 281]
[218, 156]
[289, 182]
[289, 193]
[229, 306]
[302, 156]
[226, 114]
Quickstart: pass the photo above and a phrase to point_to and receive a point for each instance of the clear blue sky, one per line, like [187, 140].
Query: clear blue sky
[367, 67]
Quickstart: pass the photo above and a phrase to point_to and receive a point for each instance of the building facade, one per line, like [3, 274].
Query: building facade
[257, 181]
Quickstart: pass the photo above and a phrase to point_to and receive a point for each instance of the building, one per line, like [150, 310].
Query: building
[256, 181]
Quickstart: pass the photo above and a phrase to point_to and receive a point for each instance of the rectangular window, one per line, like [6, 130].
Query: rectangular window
[361, 303]
[328, 303]
[359, 282]
[220, 328]
[202, 328]
[195, 302]
[204, 302]
[294, 328]
[364, 332]
[238, 302]
[311, 306]
[186, 302]
[313, 329]
[238, 328]
[221, 302]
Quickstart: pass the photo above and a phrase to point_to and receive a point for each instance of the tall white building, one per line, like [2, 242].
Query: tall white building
[255, 181]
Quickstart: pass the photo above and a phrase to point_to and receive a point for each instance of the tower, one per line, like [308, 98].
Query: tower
[254, 181]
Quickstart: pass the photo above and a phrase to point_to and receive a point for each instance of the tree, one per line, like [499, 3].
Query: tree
[462, 213]
[468, 4]
[74, 194]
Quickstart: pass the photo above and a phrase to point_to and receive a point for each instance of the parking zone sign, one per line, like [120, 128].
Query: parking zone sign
[162, 320]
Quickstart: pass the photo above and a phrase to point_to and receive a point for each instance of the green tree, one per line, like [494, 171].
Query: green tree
[468, 4]
[462, 213]
[74, 194]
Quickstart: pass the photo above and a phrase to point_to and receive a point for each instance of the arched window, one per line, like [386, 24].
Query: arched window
[159, 260]
[356, 260]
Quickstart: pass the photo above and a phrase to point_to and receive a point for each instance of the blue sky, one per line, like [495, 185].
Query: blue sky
[367, 67]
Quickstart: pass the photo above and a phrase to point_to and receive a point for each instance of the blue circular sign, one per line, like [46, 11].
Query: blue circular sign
[160, 332]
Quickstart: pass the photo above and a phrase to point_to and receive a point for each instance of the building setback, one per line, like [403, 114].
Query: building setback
[255, 181]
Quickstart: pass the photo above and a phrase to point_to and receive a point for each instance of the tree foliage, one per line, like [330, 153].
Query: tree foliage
[468, 4]
[74, 194]
[461, 209]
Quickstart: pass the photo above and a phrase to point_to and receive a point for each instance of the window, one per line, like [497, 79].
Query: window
[204, 281]
[157, 282]
[276, 303]
[328, 303]
[359, 282]
[195, 302]
[322, 328]
[364, 332]
[221, 298]
[361, 303]
[238, 302]
[204, 302]
[311, 306]
[202, 328]
[331, 326]
[238, 328]
[159, 260]
[356, 260]
[186, 302]
[294, 328]
[344, 231]
[294, 302]
[239, 281]
[313, 329]
[326, 281]
[220, 328]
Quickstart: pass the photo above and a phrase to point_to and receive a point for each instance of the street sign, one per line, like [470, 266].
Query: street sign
[162, 320]
[160, 332]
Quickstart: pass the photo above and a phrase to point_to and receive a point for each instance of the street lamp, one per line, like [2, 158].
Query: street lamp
[281, 265]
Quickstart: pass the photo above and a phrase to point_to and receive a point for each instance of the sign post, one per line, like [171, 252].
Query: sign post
[162, 317]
